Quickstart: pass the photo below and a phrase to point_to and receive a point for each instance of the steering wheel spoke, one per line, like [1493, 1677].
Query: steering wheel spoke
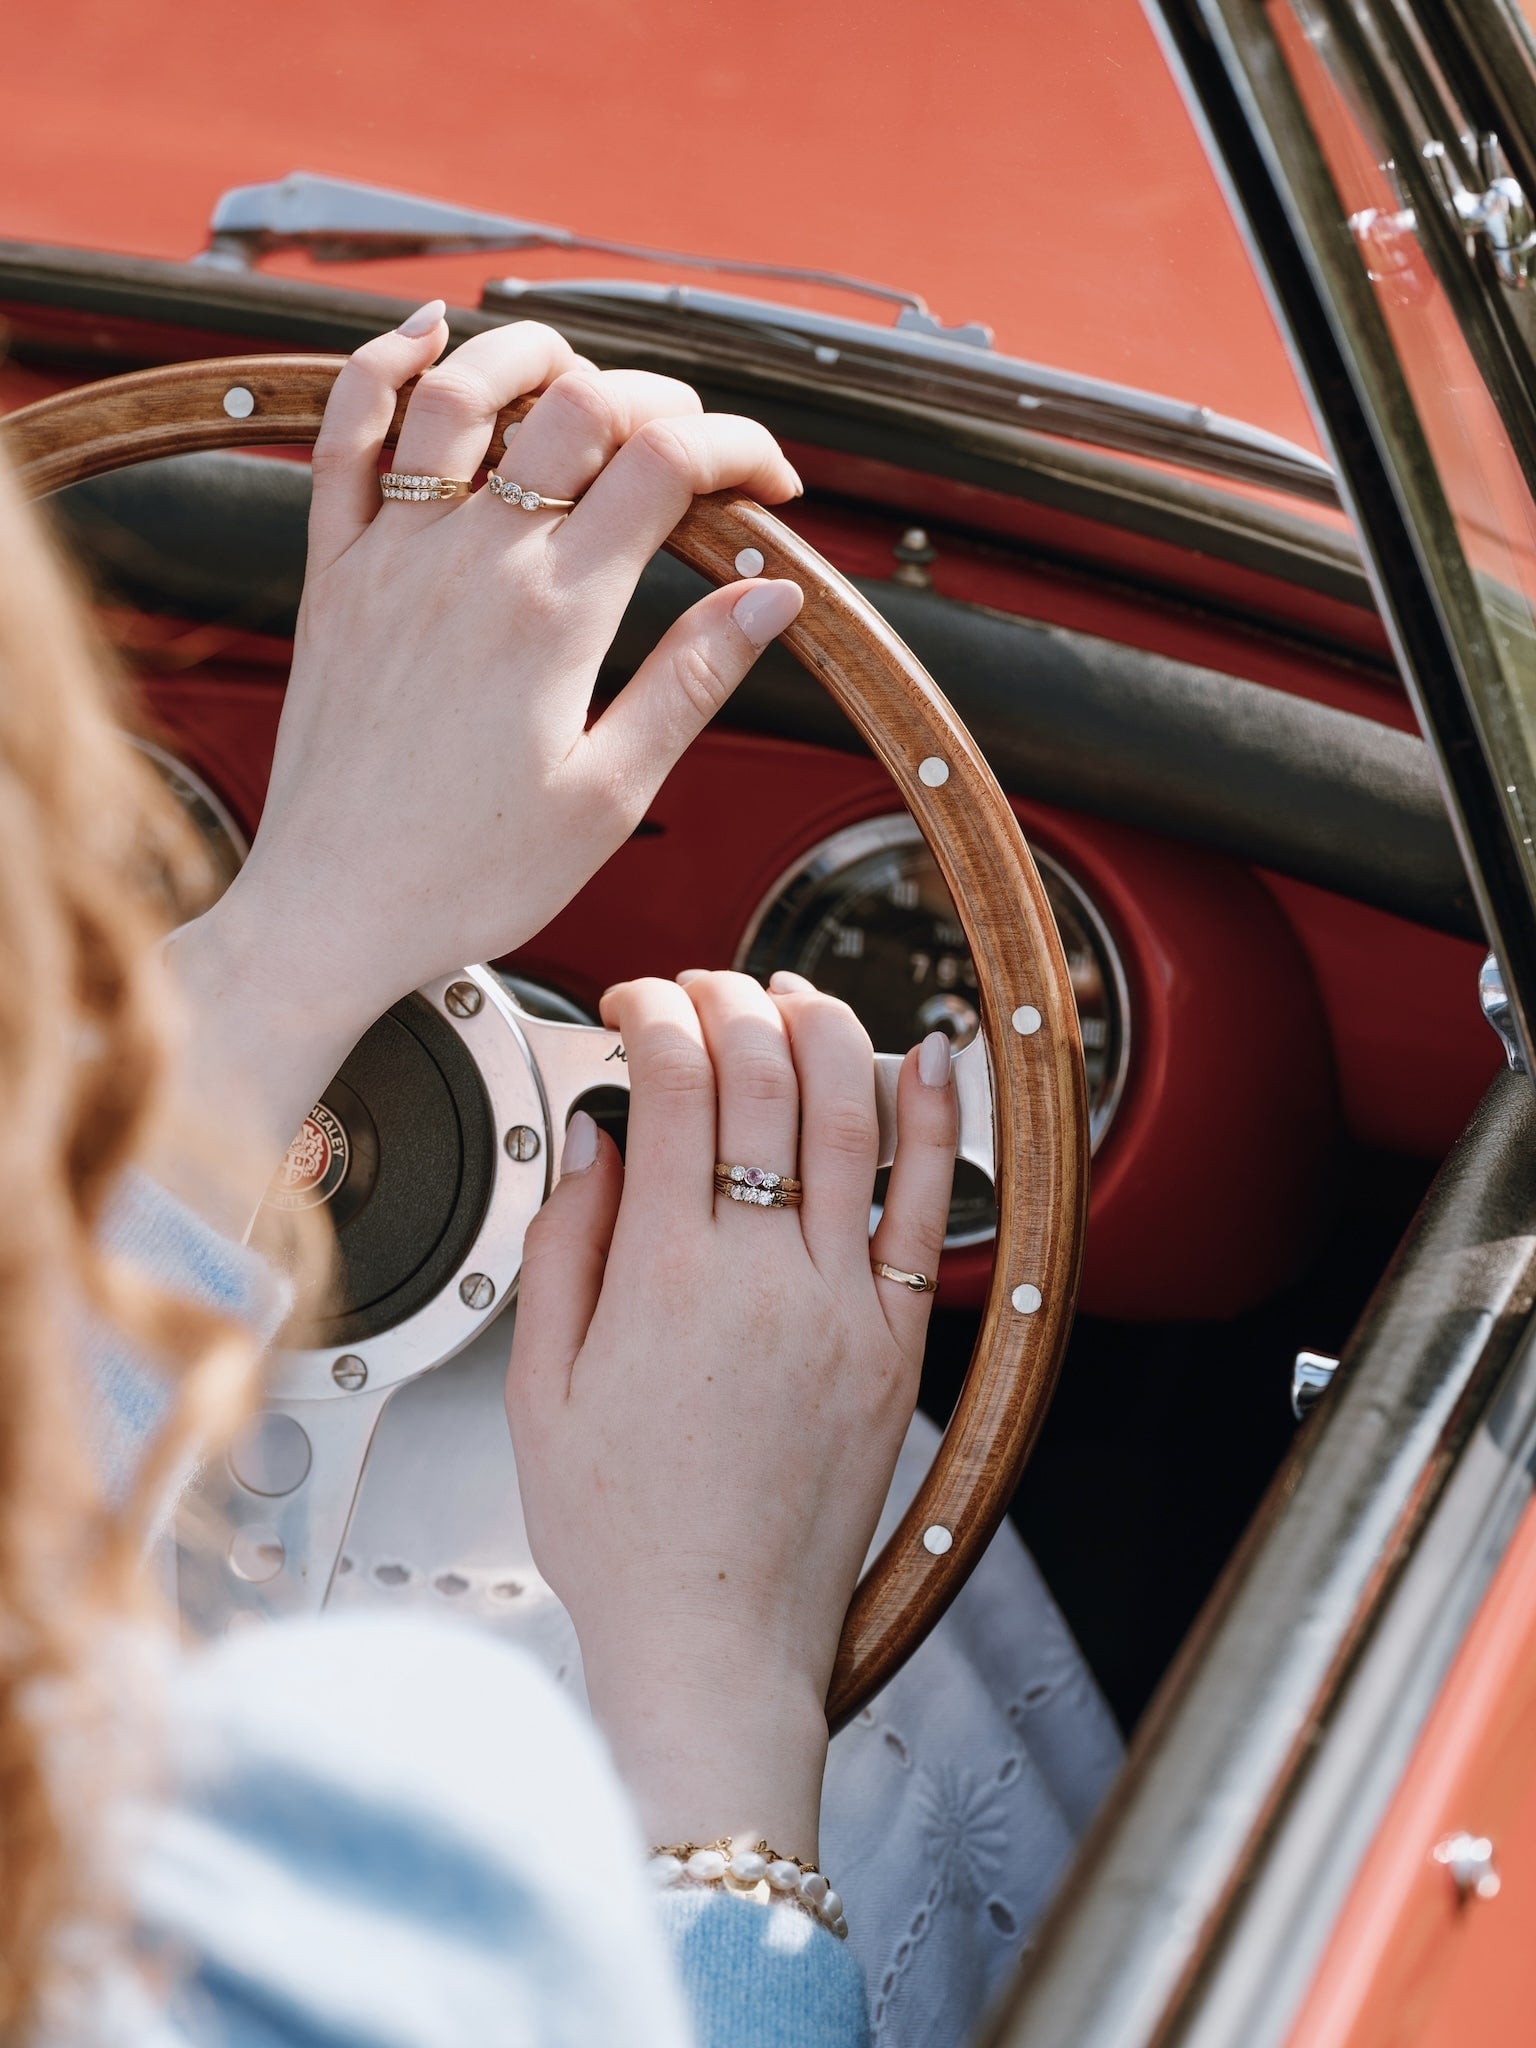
[574, 1059]
[261, 1533]
[972, 1076]
[571, 1060]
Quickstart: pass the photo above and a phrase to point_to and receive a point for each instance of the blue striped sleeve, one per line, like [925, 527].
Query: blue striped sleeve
[167, 1244]
[756, 1973]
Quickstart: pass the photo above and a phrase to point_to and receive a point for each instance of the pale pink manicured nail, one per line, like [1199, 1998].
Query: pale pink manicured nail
[764, 611]
[580, 1144]
[687, 974]
[783, 983]
[423, 320]
[933, 1060]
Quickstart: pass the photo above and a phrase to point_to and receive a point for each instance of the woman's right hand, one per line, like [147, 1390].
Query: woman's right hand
[437, 793]
[707, 1399]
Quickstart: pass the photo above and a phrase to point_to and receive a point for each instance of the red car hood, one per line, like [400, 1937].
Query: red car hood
[1014, 161]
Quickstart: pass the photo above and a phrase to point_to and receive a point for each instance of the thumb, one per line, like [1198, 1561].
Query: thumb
[564, 1256]
[683, 682]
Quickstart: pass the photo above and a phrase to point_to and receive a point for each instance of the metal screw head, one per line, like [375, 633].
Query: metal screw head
[463, 999]
[1469, 1859]
[477, 1290]
[522, 1142]
[1311, 1376]
[350, 1372]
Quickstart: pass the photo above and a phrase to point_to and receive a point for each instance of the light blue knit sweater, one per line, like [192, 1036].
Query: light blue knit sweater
[391, 1834]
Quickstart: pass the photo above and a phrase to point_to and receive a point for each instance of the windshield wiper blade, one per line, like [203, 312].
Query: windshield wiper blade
[334, 220]
[848, 360]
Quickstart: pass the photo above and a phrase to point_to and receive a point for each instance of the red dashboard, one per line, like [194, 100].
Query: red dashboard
[1269, 1020]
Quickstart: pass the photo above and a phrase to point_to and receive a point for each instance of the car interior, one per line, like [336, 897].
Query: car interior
[1158, 631]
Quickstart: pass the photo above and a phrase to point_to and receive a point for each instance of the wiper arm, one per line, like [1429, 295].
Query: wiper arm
[336, 221]
[918, 359]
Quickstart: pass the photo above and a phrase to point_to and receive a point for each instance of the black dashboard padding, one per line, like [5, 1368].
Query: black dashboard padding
[211, 537]
[1272, 779]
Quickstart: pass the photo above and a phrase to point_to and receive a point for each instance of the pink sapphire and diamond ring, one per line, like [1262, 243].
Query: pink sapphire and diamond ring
[757, 1185]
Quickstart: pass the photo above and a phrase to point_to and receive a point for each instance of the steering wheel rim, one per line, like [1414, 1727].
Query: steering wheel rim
[1028, 1013]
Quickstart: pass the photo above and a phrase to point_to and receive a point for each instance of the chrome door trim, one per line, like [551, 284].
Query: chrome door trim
[1199, 1903]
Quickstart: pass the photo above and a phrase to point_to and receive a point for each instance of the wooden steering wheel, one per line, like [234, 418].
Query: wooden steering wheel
[1033, 1123]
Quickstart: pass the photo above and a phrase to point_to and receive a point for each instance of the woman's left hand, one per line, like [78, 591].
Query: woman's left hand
[707, 1398]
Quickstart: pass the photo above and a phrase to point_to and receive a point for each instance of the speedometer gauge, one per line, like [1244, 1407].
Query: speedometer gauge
[866, 916]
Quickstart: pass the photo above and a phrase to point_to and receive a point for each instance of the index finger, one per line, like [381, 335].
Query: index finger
[669, 1155]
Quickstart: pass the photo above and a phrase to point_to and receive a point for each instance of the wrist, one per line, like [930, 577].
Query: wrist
[262, 1033]
[284, 971]
[715, 1751]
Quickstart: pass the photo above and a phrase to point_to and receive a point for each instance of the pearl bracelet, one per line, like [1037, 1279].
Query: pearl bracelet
[752, 1872]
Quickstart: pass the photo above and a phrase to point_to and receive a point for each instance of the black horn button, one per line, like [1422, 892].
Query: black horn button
[419, 1157]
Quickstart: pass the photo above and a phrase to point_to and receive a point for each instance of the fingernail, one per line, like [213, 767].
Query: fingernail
[933, 1060]
[764, 611]
[580, 1144]
[799, 486]
[423, 320]
[688, 974]
[783, 983]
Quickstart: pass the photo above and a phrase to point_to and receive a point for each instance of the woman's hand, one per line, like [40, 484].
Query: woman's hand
[707, 1399]
[436, 794]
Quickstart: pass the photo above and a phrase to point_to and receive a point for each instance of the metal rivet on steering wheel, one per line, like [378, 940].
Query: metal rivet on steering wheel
[1040, 1124]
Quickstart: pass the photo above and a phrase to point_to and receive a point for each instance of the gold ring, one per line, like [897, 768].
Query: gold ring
[917, 1283]
[394, 483]
[529, 501]
[758, 1185]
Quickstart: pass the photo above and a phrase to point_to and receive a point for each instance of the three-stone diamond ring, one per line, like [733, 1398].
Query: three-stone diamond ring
[527, 501]
[758, 1186]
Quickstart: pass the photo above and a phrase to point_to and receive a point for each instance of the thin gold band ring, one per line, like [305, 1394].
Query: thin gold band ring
[916, 1283]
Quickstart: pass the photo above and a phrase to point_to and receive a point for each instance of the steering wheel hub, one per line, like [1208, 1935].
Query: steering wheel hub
[429, 1206]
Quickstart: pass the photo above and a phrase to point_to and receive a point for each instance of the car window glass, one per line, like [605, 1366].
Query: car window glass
[1369, 102]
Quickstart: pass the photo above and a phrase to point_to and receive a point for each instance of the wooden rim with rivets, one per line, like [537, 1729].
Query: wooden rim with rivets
[1039, 1093]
